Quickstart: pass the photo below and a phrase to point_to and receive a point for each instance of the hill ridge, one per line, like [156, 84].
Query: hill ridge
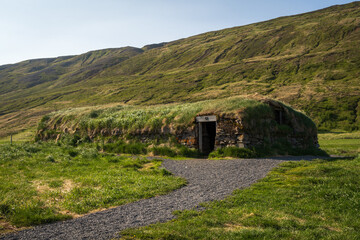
[309, 60]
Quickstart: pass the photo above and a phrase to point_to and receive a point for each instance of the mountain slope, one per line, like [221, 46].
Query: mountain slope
[310, 61]
[61, 71]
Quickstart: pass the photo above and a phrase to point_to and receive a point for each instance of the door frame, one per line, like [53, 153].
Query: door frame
[200, 120]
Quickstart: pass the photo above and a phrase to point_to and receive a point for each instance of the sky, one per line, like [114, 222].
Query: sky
[49, 28]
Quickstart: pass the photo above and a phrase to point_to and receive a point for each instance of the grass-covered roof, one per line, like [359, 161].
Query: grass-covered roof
[134, 119]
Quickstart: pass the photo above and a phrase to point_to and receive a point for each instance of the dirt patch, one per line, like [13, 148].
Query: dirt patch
[334, 229]
[229, 227]
[67, 186]
[6, 227]
[41, 187]
[147, 167]
[299, 220]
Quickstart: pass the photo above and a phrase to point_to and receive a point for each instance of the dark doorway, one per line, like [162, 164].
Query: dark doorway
[279, 116]
[207, 133]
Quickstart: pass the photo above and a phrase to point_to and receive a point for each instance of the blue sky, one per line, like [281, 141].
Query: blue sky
[50, 28]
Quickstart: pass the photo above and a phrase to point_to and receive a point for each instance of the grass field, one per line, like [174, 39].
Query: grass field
[21, 137]
[309, 61]
[340, 143]
[298, 200]
[45, 182]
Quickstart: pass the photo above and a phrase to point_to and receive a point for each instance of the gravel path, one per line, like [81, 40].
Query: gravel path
[207, 180]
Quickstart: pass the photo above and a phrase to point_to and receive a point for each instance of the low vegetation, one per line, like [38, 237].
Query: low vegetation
[127, 119]
[20, 137]
[44, 182]
[340, 143]
[309, 61]
[298, 200]
[281, 148]
[153, 129]
[57, 181]
[170, 149]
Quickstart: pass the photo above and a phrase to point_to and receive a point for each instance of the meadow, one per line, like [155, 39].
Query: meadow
[340, 143]
[45, 182]
[298, 200]
[309, 61]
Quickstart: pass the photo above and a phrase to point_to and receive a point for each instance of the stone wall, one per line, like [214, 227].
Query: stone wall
[235, 131]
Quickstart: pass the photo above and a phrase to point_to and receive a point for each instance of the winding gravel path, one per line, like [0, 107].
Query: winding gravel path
[207, 180]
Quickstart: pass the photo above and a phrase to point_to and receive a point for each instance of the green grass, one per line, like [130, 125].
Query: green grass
[234, 152]
[340, 143]
[164, 121]
[309, 61]
[169, 150]
[298, 200]
[45, 182]
[21, 137]
[135, 148]
[277, 149]
[153, 129]
[136, 119]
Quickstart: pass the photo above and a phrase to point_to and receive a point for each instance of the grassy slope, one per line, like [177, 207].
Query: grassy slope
[298, 200]
[310, 61]
[45, 182]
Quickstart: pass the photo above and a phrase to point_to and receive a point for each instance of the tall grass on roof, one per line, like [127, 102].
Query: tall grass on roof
[130, 119]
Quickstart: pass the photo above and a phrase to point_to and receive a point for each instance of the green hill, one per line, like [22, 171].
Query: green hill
[310, 61]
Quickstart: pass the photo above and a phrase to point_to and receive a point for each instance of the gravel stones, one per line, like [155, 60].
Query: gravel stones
[207, 180]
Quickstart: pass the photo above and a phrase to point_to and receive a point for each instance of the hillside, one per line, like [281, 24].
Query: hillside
[310, 61]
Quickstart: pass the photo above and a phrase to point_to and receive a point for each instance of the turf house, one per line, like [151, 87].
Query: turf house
[205, 125]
